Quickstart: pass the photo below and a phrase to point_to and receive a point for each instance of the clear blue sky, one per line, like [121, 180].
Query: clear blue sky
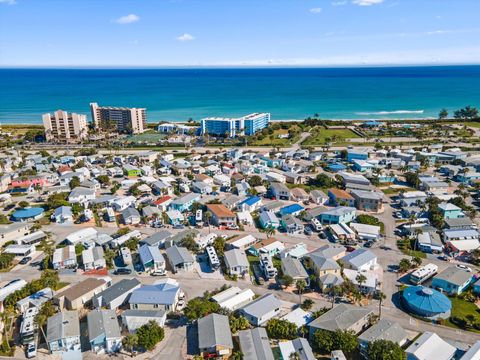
[238, 32]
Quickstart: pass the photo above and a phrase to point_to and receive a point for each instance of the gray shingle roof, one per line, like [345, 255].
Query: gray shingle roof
[454, 275]
[214, 330]
[117, 290]
[262, 305]
[236, 257]
[179, 255]
[293, 267]
[255, 345]
[384, 330]
[341, 317]
[63, 324]
[103, 322]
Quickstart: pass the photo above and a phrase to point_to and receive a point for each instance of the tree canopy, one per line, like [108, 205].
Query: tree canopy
[385, 350]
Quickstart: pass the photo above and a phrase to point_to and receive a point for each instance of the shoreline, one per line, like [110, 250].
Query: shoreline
[149, 123]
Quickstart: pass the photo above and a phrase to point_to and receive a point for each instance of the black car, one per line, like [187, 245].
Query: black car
[123, 271]
[25, 260]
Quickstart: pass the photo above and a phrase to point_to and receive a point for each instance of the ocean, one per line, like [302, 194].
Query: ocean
[287, 93]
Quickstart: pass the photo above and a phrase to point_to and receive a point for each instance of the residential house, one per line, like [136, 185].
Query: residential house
[76, 296]
[254, 344]
[35, 300]
[185, 202]
[327, 271]
[180, 258]
[452, 280]
[116, 295]
[294, 268]
[236, 262]
[104, 331]
[201, 188]
[330, 251]
[367, 200]
[450, 211]
[131, 170]
[268, 219]
[299, 347]
[93, 258]
[131, 216]
[383, 330]
[63, 215]
[214, 337]
[164, 295]
[221, 215]
[64, 258]
[241, 242]
[293, 209]
[430, 346]
[233, 298]
[63, 333]
[259, 311]
[175, 217]
[292, 225]
[298, 194]
[151, 258]
[132, 320]
[343, 317]
[366, 232]
[279, 191]
[371, 283]
[318, 197]
[341, 214]
[269, 246]
[250, 204]
[340, 197]
[429, 242]
[360, 259]
[81, 195]
[122, 203]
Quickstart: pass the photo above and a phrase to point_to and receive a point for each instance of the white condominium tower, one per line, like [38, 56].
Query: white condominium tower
[120, 119]
[65, 127]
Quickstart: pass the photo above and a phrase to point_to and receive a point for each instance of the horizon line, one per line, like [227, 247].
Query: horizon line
[239, 66]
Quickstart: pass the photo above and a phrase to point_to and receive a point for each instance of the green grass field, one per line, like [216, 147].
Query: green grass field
[275, 140]
[319, 137]
[462, 308]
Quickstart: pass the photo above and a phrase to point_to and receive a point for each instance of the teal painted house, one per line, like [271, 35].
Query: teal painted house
[272, 163]
[341, 214]
[450, 211]
[452, 280]
[185, 202]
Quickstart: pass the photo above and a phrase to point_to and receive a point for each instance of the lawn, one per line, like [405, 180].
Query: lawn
[462, 308]
[275, 140]
[472, 124]
[319, 135]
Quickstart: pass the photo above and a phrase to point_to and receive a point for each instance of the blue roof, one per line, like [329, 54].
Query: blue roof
[290, 209]
[150, 254]
[27, 213]
[251, 201]
[425, 301]
[337, 166]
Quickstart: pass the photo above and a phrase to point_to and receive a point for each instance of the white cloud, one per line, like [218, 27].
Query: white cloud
[316, 10]
[8, 2]
[339, 2]
[127, 19]
[186, 37]
[366, 2]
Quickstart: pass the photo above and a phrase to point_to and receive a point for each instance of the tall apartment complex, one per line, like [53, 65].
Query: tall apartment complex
[121, 119]
[65, 127]
[231, 127]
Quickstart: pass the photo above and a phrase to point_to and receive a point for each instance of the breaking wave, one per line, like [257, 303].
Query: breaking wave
[391, 112]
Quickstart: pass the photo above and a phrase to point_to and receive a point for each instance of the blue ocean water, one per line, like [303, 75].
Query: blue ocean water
[287, 93]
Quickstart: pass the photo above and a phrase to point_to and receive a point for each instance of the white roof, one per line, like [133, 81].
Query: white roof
[365, 229]
[244, 241]
[431, 346]
[298, 316]
[81, 235]
[473, 353]
[372, 278]
[234, 298]
[465, 245]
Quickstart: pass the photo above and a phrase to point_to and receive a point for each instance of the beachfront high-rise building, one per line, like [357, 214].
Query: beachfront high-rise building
[231, 127]
[120, 119]
[64, 127]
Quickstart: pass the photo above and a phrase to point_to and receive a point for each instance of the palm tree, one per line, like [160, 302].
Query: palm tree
[361, 279]
[208, 216]
[381, 297]
[129, 343]
[335, 291]
[270, 231]
[300, 285]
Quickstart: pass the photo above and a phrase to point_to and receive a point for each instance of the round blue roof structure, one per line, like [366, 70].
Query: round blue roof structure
[426, 302]
[27, 213]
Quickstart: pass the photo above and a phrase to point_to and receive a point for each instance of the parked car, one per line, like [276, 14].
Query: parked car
[158, 273]
[25, 260]
[350, 248]
[307, 230]
[463, 267]
[368, 244]
[122, 271]
[179, 226]
[31, 350]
